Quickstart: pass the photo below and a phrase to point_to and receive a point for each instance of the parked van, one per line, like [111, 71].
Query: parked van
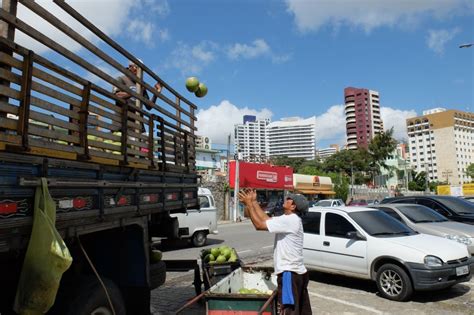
[197, 224]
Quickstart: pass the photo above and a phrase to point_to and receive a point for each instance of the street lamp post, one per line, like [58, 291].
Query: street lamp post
[427, 178]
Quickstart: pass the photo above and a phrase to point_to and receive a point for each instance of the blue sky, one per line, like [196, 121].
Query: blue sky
[294, 58]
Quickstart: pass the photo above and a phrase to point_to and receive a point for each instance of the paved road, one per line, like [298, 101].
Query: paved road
[251, 246]
[242, 236]
[330, 294]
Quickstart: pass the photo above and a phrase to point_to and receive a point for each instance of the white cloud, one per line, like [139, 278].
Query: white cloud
[257, 48]
[437, 39]
[396, 118]
[331, 126]
[161, 7]
[191, 60]
[141, 31]
[218, 121]
[110, 23]
[164, 34]
[105, 68]
[370, 14]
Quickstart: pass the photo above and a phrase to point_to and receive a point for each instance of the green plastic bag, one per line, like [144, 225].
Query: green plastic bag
[46, 259]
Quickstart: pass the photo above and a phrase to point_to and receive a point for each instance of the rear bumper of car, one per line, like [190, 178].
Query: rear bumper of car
[435, 278]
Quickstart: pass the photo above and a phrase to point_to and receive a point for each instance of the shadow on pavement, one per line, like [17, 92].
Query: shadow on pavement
[441, 295]
[166, 245]
[343, 281]
[370, 286]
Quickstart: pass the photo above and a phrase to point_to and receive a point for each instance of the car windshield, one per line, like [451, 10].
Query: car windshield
[323, 203]
[458, 205]
[421, 214]
[380, 224]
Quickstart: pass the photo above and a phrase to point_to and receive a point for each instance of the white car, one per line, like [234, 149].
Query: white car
[369, 244]
[329, 203]
[196, 224]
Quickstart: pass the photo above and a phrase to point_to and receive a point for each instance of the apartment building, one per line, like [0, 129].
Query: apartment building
[327, 152]
[441, 142]
[363, 120]
[292, 137]
[250, 139]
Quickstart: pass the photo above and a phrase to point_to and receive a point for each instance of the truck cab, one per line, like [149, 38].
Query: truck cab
[196, 224]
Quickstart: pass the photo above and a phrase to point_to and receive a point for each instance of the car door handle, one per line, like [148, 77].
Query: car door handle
[326, 243]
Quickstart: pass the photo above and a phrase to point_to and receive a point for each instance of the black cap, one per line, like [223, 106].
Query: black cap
[300, 202]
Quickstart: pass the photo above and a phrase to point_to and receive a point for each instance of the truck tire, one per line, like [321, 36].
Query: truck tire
[88, 298]
[157, 274]
[394, 283]
[199, 239]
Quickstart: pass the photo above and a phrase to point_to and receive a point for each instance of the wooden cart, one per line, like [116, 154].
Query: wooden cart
[224, 297]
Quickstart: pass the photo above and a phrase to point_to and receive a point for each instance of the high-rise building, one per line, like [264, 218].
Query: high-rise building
[327, 152]
[363, 121]
[442, 144]
[250, 139]
[292, 137]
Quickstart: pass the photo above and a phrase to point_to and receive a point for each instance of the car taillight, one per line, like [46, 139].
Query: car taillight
[8, 207]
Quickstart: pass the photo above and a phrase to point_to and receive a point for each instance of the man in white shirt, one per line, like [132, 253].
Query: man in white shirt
[288, 249]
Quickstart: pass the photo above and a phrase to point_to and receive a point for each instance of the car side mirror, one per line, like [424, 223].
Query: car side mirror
[355, 235]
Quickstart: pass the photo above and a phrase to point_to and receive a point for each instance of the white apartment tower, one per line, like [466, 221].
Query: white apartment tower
[292, 137]
[442, 144]
[250, 139]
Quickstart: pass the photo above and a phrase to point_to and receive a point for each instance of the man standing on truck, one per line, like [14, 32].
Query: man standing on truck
[288, 249]
[125, 80]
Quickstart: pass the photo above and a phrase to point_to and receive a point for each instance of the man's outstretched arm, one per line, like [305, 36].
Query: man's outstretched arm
[257, 215]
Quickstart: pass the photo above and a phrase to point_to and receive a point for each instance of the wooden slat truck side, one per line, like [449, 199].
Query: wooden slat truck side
[116, 171]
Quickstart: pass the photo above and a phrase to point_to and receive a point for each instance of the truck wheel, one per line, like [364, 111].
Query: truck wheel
[199, 239]
[88, 298]
[157, 274]
[394, 283]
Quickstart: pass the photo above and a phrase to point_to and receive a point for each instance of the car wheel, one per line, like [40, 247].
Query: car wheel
[394, 283]
[199, 239]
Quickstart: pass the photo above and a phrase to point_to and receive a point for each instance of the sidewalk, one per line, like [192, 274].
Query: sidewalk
[226, 222]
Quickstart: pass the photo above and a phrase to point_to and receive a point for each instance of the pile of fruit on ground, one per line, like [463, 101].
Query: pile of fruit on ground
[219, 255]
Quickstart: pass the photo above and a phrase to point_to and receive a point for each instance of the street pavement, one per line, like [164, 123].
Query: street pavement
[329, 294]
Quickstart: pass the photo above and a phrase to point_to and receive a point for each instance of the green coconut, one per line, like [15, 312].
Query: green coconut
[192, 84]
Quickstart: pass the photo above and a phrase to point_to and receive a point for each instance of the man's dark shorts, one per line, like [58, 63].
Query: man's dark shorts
[299, 288]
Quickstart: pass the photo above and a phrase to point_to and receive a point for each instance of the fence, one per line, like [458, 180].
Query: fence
[47, 109]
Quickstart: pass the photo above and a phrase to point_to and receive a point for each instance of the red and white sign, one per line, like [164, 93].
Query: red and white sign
[261, 176]
[271, 177]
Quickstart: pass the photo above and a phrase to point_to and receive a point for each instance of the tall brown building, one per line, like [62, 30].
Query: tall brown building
[363, 121]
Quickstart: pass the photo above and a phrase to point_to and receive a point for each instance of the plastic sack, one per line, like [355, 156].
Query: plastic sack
[46, 259]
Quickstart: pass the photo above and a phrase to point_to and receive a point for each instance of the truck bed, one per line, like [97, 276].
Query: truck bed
[89, 197]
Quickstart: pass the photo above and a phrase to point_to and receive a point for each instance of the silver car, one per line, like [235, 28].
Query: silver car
[424, 220]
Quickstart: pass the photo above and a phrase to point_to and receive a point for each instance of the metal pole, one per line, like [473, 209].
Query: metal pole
[427, 179]
[236, 191]
[406, 176]
[352, 181]
[227, 193]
